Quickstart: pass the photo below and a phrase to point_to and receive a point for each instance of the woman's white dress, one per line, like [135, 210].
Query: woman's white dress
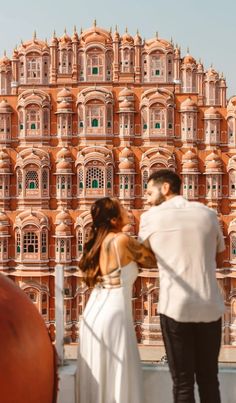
[109, 368]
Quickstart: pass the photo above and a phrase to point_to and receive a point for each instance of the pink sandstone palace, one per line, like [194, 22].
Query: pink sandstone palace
[93, 115]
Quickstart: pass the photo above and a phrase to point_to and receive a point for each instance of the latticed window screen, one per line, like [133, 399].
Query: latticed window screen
[95, 178]
[19, 181]
[81, 178]
[33, 68]
[95, 116]
[233, 245]
[33, 120]
[18, 242]
[145, 180]
[44, 242]
[45, 179]
[62, 248]
[157, 118]
[157, 66]
[80, 240]
[109, 177]
[63, 182]
[30, 242]
[31, 180]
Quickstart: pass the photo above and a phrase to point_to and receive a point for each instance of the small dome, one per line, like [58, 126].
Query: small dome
[188, 59]
[126, 153]
[212, 112]
[5, 107]
[64, 165]
[4, 61]
[212, 73]
[125, 104]
[190, 165]
[63, 229]
[63, 153]
[63, 216]
[3, 229]
[126, 164]
[188, 104]
[126, 92]
[4, 165]
[3, 155]
[127, 38]
[189, 155]
[3, 217]
[95, 37]
[64, 105]
[213, 157]
[64, 93]
[65, 39]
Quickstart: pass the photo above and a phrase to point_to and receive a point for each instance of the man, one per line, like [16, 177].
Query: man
[185, 237]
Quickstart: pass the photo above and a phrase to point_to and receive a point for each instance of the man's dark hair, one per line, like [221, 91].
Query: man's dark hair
[166, 175]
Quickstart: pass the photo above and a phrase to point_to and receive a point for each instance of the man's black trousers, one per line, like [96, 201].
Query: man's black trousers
[192, 351]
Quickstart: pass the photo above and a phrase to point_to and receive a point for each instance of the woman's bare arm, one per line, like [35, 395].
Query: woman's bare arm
[136, 251]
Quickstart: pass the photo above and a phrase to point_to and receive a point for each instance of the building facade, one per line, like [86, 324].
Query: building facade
[93, 115]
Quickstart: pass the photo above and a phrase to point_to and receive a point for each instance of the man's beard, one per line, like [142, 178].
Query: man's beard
[160, 199]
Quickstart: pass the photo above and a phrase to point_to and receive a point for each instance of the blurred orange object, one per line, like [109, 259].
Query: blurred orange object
[27, 357]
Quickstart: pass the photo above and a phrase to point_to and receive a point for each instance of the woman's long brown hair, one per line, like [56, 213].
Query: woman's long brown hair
[102, 211]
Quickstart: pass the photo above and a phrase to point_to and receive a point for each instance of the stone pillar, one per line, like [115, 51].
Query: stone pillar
[59, 311]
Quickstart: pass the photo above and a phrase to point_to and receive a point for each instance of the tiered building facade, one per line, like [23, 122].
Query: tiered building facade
[93, 115]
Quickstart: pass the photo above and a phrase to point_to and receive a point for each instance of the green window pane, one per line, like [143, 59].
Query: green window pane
[145, 186]
[81, 185]
[32, 185]
[109, 124]
[157, 72]
[94, 123]
[94, 184]
[145, 126]
[21, 126]
[18, 249]
[126, 186]
[80, 248]
[109, 185]
[95, 70]
[157, 125]
[234, 251]
[81, 124]
[170, 125]
[33, 126]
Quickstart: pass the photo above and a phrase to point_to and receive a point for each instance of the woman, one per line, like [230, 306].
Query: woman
[109, 367]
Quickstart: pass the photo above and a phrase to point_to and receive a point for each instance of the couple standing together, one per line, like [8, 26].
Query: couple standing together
[184, 238]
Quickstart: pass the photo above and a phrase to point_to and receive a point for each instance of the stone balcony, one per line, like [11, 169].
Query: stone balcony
[157, 380]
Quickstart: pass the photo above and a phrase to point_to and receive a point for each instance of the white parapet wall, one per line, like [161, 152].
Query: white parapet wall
[157, 383]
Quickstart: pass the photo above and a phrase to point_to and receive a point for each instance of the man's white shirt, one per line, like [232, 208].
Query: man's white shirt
[185, 237]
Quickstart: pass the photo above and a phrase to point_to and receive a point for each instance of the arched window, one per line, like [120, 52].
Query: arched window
[33, 120]
[233, 246]
[157, 67]
[231, 130]
[95, 117]
[157, 120]
[95, 178]
[31, 180]
[232, 183]
[30, 243]
[33, 68]
[95, 66]
[145, 181]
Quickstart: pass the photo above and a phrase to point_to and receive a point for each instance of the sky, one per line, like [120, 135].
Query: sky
[207, 27]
